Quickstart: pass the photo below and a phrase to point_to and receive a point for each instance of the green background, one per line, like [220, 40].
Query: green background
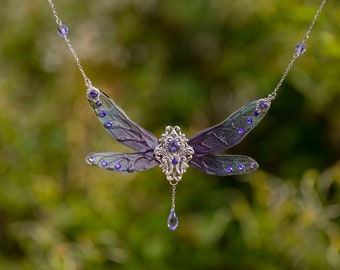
[187, 63]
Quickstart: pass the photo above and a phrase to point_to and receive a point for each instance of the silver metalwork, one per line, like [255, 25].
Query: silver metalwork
[173, 153]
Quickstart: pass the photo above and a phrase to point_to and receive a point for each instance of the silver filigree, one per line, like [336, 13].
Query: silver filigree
[173, 153]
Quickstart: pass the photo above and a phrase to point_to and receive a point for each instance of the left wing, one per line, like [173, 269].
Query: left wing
[119, 125]
[121, 162]
[232, 130]
[224, 165]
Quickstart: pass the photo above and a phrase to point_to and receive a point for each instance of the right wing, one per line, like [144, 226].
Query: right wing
[232, 130]
[224, 165]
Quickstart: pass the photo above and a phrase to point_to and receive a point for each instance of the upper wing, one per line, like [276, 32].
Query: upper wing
[121, 162]
[118, 124]
[232, 130]
[223, 165]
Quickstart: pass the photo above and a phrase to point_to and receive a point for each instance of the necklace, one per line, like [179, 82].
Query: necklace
[173, 152]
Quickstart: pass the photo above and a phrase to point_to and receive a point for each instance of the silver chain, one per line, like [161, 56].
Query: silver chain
[270, 97]
[87, 81]
[296, 55]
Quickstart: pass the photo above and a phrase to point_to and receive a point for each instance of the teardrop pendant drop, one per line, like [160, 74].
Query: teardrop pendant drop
[172, 220]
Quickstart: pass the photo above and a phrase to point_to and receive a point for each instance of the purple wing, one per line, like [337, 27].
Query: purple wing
[121, 162]
[232, 130]
[118, 124]
[223, 165]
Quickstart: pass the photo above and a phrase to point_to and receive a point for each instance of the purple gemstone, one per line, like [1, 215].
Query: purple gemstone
[174, 161]
[118, 166]
[102, 113]
[90, 159]
[172, 220]
[256, 112]
[240, 131]
[301, 48]
[92, 94]
[262, 104]
[108, 124]
[62, 30]
[249, 120]
[173, 146]
[241, 167]
[229, 170]
[99, 103]
[104, 163]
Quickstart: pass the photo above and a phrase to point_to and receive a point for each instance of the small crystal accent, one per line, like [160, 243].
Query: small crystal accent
[102, 113]
[240, 131]
[92, 94]
[62, 30]
[174, 161]
[301, 48]
[172, 220]
[241, 167]
[104, 163]
[108, 124]
[249, 120]
[118, 166]
[90, 159]
[229, 170]
[99, 103]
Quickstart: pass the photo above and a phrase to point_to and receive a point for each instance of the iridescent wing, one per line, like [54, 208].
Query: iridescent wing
[231, 131]
[223, 165]
[118, 124]
[121, 162]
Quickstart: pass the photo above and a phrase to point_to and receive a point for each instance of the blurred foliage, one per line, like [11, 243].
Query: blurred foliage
[187, 63]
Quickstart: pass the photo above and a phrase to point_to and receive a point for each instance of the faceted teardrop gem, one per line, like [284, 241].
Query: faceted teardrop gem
[172, 220]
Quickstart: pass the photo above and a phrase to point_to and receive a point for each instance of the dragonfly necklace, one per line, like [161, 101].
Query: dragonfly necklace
[173, 152]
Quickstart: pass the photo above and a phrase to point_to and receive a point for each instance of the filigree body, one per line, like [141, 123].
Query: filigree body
[173, 153]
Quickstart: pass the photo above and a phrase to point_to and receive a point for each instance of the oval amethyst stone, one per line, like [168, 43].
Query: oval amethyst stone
[174, 161]
[118, 166]
[104, 163]
[240, 131]
[249, 120]
[173, 146]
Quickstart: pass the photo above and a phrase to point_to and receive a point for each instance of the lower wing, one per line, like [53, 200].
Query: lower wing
[121, 162]
[224, 165]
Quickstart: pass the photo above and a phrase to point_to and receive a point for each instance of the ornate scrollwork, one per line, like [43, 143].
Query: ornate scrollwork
[173, 153]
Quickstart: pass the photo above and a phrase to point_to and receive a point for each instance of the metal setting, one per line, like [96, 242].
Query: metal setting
[173, 153]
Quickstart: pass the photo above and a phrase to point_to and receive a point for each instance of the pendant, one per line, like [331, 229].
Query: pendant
[173, 152]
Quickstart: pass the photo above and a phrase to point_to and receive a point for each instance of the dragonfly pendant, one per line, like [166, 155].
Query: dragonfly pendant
[173, 152]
